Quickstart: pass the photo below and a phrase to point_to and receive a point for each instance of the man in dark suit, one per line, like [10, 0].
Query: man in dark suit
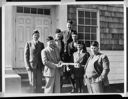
[72, 47]
[59, 42]
[67, 38]
[33, 62]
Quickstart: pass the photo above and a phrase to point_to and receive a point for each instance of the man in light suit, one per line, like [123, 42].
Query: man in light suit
[51, 59]
[96, 70]
[33, 62]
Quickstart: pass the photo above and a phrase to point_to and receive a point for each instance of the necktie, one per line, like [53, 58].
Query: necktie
[78, 55]
[54, 54]
[36, 44]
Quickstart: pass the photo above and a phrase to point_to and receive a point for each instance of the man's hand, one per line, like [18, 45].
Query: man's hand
[29, 69]
[59, 64]
[77, 65]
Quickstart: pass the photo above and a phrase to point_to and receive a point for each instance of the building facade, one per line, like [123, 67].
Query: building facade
[104, 23]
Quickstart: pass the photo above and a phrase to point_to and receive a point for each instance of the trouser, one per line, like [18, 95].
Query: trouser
[52, 84]
[79, 84]
[68, 75]
[95, 87]
[35, 80]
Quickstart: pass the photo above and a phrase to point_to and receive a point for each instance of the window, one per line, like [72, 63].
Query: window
[20, 9]
[28, 10]
[47, 11]
[40, 11]
[87, 26]
[33, 10]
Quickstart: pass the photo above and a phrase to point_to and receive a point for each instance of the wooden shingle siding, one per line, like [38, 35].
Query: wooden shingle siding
[111, 24]
[111, 27]
[116, 58]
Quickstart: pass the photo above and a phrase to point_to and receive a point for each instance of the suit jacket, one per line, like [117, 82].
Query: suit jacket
[101, 66]
[32, 55]
[67, 38]
[62, 50]
[71, 50]
[81, 59]
[50, 59]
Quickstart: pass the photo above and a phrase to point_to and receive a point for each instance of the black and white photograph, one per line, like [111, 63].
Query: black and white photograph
[63, 48]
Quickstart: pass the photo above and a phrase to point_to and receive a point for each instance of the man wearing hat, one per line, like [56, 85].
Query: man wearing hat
[71, 49]
[33, 62]
[59, 42]
[51, 59]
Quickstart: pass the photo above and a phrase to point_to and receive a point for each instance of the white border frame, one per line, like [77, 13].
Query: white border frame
[53, 3]
[125, 53]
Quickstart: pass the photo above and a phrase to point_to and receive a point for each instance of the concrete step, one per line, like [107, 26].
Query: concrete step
[25, 82]
[22, 72]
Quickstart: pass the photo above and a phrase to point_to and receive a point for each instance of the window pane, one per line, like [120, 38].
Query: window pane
[94, 22]
[93, 15]
[87, 36]
[20, 9]
[40, 11]
[92, 41]
[80, 35]
[87, 21]
[26, 10]
[81, 41]
[80, 13]
[47, 11]
[87, 43]
[87, 14]
[93, 36]
[81, 21]
[80, 28]
[93, 29]
[33, 10]
[87, 29]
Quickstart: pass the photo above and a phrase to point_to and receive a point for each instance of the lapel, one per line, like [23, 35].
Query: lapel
[57, 53]
[33, 44]
[80, 56]
[52, 54]
[94, 60]
[36, 46]
[68, 35]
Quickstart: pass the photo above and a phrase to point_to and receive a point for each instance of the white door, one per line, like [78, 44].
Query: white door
[44, 27]
[25, 24]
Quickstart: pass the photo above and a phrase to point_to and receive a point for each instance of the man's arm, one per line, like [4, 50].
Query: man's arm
[106, 69]
[26, 56]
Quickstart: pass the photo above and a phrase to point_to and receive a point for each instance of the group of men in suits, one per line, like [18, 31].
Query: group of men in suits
[64, 48]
